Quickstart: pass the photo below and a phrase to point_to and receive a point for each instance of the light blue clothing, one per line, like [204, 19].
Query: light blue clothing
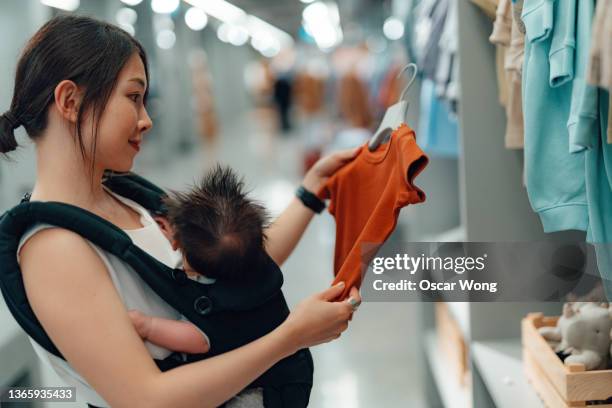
[588, 124]
[599, 191]
[554, 177]
[583, 123]
[599, 194]
[437, 134]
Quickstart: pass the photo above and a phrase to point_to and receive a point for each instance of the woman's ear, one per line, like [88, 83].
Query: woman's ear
[67, 100]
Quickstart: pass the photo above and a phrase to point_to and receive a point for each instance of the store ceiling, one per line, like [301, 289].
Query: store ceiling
[287, 14]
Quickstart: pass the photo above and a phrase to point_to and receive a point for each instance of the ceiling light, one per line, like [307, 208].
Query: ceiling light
[238, 35]
[271, 51]
[235, 16]
[132, 2]
[322, 22]
[164, 6]
[68, 5]
[223, 32]
[257, 28]
[393, 28]
[220, 9]
[196, 18]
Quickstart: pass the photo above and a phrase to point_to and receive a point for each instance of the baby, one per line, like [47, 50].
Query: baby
[221, 235]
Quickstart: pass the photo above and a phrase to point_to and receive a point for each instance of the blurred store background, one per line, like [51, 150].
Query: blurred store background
[270, 86]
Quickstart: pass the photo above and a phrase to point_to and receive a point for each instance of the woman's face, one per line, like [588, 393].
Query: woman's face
[125, 119]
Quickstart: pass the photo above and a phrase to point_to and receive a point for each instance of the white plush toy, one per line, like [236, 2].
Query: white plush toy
[584, 332]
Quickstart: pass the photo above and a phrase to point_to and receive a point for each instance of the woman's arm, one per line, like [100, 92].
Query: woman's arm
[74, 299]
[285, 232]
[175, 335]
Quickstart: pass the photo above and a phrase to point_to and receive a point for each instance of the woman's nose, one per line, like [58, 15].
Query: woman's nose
[145, 123]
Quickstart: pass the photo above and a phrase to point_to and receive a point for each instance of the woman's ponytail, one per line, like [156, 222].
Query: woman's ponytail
[8, 124]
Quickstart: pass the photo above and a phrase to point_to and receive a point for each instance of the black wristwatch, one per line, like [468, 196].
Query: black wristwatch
[310, 200]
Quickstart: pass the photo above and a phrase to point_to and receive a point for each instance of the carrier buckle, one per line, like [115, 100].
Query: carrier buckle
[179, 276]
[203, 305]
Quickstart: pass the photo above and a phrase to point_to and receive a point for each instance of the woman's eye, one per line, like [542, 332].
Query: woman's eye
[135, 97]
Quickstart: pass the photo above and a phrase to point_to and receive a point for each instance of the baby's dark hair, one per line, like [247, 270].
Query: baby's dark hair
[218, 228]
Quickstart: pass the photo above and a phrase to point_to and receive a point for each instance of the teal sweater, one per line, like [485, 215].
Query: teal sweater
[554, 176]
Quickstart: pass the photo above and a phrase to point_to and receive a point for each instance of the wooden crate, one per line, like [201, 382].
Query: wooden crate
[557, 384]
[452, 343]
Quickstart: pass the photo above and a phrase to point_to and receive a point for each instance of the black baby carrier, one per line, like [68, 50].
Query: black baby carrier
[231, 314]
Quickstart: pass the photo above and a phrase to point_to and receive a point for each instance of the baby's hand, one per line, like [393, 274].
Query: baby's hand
[141, 322]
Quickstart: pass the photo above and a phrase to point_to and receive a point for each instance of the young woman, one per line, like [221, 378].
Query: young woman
[80, 93]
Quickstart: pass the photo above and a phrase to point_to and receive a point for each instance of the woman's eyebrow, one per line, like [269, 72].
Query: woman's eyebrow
[139, 81]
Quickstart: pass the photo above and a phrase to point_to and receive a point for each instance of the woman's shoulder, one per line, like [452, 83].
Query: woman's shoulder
[44, 237]
[44, 248]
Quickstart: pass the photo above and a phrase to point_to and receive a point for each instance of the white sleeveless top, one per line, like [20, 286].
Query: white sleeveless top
[133, 291]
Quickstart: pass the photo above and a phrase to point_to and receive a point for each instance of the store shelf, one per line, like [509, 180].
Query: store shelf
[501, 368]
[451, 393]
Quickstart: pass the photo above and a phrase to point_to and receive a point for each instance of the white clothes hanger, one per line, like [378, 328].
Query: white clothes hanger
[395, 114]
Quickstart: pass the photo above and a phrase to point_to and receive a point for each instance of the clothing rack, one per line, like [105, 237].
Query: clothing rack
[493, 208]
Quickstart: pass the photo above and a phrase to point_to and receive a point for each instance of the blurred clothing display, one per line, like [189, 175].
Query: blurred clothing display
[433, 40]
[447, 70]
[353, 100]
[438, 127]
[309, 93]
[510, 43]
[600, 62]
[434, 17]
[366, 196]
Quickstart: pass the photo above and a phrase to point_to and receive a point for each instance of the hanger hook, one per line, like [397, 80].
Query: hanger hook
[377, 139]
[415, 71]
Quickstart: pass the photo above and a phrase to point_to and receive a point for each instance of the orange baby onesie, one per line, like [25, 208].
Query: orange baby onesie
[366, 197]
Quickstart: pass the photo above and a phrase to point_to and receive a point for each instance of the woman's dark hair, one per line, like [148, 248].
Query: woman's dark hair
[81, 49]
[218, 228]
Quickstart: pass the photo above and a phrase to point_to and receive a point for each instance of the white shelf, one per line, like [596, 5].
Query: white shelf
[451, 393]
[500, 365]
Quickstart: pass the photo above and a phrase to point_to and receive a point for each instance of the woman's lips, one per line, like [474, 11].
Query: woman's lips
[135, 145]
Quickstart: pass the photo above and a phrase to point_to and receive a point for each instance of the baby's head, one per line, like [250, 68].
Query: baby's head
[219, 230]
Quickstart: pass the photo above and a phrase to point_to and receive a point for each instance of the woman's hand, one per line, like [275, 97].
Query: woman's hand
[326, 167]
[318, 319]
